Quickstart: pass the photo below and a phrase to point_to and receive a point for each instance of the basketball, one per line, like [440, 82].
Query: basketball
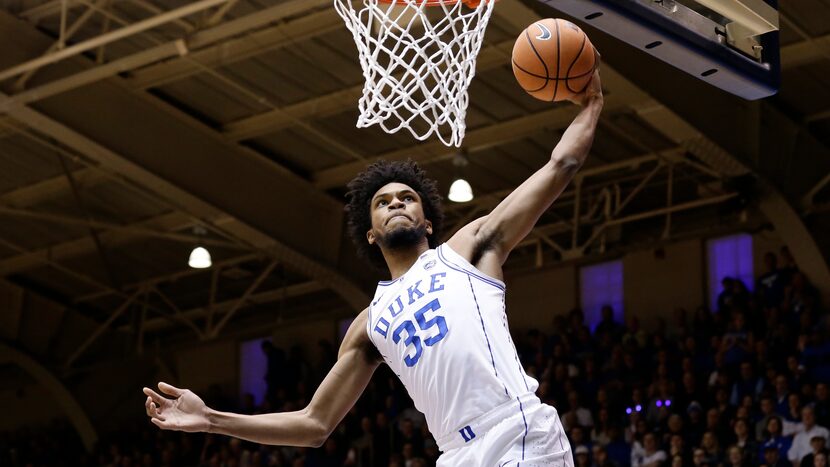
[553, 59]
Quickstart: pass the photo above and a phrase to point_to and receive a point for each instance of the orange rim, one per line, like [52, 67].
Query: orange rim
[469, 3]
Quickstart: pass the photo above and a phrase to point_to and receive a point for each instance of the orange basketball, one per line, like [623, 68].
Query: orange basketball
[553, 59]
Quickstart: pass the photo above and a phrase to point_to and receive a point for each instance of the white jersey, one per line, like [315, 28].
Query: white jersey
[442, 328]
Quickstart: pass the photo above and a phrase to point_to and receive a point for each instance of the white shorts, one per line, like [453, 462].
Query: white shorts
[522, 433]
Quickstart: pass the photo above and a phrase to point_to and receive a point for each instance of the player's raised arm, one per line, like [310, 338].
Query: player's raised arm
[511, 221]
[310, 426]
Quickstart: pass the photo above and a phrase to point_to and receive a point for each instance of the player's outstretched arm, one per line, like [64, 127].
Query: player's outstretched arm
[511, 221]
[311, 426]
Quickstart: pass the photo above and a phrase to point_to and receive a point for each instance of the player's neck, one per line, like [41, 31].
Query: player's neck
[399, 260]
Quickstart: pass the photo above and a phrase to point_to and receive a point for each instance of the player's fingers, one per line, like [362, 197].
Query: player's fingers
[161, 423]
[160, 400]
[151, 409]
[170, 390]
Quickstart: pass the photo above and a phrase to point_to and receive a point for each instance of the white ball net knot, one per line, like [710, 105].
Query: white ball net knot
[418, 58]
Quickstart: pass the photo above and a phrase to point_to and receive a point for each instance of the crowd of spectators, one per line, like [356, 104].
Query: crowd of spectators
[743, 385]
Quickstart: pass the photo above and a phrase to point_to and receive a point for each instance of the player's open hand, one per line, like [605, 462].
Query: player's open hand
[185, 412]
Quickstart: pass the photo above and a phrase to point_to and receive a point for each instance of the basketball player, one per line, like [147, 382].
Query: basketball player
[439, 323]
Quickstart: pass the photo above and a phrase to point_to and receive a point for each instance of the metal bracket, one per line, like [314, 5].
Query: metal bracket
[749, 19]
[737, 52]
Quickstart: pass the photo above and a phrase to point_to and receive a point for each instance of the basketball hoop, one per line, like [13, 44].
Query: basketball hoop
[418, 58]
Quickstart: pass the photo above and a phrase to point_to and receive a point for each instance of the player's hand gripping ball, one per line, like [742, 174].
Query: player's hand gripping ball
[553, 60]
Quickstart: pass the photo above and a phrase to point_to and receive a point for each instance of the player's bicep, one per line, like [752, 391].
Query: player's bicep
[347, 379]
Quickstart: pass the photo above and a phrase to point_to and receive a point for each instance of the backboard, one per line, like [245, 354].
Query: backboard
[731, 44]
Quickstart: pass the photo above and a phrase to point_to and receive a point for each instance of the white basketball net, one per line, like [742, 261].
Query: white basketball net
[418, 61]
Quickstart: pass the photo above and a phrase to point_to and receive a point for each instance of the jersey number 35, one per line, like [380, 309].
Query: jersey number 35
[412, 338]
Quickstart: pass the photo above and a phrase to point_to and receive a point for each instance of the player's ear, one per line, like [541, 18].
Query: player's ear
[370, 237]
[429, 226]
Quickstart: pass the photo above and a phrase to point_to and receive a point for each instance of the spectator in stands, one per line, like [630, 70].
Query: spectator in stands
[793, 408]
[600, 433]
[747, 385]
[600, 458]
[772, 458]
[582, 456]
[608, 325]
[743, 405]
[696, 424]
[775, 437]
[782, 393]
[767, 411]
[711, 446]
[582, 416]
[677, 448]
[674, 427]
[788, 266]
[770, 286]
[819, 447]
[717, 424]
[738, 343]
[735, 458]
[577, 437]
[802, 441]
[699, 458]
[725, 295]
[821, 406]
[633, 334]
[647, 454]
[744, 441]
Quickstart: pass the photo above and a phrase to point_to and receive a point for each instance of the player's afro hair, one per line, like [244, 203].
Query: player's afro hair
[368, 182]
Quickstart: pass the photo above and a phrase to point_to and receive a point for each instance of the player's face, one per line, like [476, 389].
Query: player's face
[397, 217]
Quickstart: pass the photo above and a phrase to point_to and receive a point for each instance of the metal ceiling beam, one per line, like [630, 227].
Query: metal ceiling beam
[51, 188]
[196, 52]
[80, 277]
[92, 75]
[61, 42]
[214, 331]
[136, 229]
[83, 246]
[189, 203]
[188, 164]
[235, 50]
[121, 33]
[49, 8]
[805, 52]
[102, 328]
[490, 57]
[493, 56]
[256, 43]
[172, 276]
[221, 308]
[772, 203]
[11, 319]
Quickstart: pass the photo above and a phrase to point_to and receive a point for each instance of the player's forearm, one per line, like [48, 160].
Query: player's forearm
[576, 142]
[285, 428]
